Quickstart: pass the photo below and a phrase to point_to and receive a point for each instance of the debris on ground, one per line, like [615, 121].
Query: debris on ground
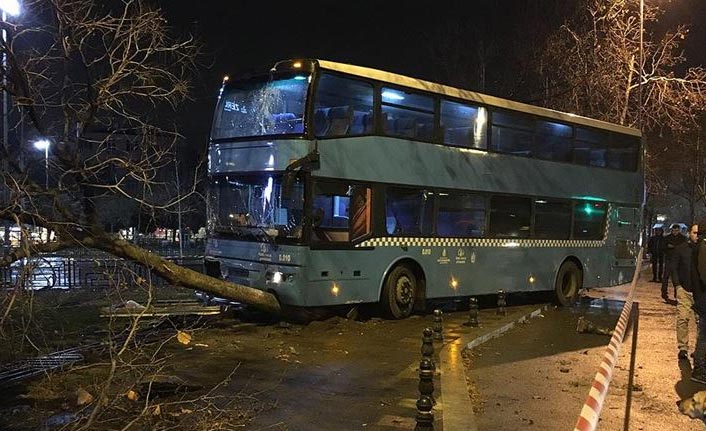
[83, 397]
[585, 326]
[183, 337]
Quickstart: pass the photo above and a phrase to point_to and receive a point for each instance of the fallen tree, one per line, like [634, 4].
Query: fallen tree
[99, 81]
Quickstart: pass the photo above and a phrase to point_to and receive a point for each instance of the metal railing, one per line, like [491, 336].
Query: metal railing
[71, 272]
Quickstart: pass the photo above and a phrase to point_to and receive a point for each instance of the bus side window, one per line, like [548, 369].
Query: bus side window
[510, 217]
[512, 133]
[590, 147]
[552, 219]
[340, 106]
[460, 215]
[553, 141]
[463, 125]
[589, 220]
[408, 211]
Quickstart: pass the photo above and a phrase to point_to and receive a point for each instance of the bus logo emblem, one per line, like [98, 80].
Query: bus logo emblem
[444, 259]
[264, 253]
[460, 256]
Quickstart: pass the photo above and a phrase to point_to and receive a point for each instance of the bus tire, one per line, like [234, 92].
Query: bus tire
[399, 292]
[568, 284]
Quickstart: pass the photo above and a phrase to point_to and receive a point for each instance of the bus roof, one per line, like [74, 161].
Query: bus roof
[484, 99]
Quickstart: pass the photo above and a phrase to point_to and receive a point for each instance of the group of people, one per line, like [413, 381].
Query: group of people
[683, 260]
[664, 251]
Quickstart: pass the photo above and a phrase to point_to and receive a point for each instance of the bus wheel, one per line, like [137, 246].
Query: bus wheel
[569, 281]
[399, 292]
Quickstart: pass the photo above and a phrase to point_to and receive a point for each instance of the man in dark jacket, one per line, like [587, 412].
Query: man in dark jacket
[655, 245]
[672, 241]
[682, 269]
[697, 243]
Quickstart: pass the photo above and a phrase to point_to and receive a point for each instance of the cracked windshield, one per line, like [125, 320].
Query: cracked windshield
[253, 207]
[262, 107]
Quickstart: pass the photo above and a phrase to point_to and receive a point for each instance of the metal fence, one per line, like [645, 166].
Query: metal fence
[71, 272]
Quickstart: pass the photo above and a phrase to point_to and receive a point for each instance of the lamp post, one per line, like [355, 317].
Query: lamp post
[12, 8]
[44, 144]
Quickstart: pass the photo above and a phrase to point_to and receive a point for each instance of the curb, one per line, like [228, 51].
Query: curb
[498, 332]
[457, 411]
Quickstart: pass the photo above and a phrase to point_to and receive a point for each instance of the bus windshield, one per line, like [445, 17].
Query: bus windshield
[252, 207]
[262, 106]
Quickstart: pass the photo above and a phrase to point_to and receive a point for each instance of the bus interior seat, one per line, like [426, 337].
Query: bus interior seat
[340, 119]
[597, 158]
[362, 123]
[425, 130]
[405, 127]
[389, 123]
[368, 122]
[321, 123]
[284, 122]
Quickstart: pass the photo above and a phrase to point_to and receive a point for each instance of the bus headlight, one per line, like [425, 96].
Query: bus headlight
[277, 277]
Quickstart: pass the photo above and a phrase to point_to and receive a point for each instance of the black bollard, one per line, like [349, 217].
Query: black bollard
[472, 312]
[438, 329]
[428, 346]
[502, 303]
[425, 403]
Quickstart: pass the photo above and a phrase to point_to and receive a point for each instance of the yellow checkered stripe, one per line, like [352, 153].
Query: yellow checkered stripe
[486, 242]
[476, 242]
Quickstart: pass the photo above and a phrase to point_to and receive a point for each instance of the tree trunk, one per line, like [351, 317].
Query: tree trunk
[185, 277]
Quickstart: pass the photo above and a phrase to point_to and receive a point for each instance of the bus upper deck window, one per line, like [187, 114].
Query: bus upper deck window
[342, 107]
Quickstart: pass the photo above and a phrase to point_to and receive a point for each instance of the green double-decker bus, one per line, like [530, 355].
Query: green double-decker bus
[336, 184]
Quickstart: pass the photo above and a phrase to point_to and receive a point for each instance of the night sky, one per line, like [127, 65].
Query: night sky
[241, 36]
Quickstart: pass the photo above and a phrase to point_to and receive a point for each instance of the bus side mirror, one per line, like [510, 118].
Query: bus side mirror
[308, 163]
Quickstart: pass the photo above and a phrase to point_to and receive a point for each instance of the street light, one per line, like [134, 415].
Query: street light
[44, 144]
[12, 8]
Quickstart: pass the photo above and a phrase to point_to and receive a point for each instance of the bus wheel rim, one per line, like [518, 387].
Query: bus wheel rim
[403, 291]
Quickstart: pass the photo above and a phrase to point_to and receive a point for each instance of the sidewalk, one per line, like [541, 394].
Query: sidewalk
[659, 382]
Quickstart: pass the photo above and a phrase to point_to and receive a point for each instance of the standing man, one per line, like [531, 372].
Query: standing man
[697, 242]
[655, 245]
[682, 269]
[672, 241]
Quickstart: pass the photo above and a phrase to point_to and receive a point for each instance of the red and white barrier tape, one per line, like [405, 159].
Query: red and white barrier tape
[591, 411]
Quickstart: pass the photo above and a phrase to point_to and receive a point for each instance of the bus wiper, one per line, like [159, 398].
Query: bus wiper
[236, 230]
[269, 238]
